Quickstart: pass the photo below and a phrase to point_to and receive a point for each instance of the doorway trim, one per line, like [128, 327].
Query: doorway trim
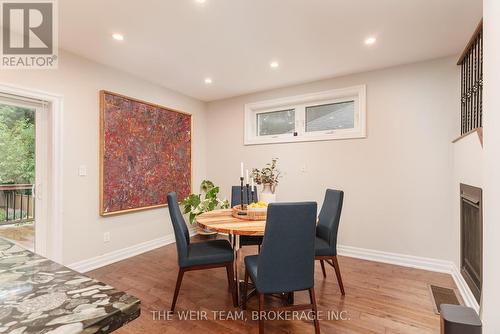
[55, 172]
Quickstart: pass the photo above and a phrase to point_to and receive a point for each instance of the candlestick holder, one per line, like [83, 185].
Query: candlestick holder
[253, 194]
[248, 194]
[241, 192]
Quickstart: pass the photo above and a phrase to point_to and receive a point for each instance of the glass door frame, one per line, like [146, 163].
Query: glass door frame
[41, 168]
[48, 167]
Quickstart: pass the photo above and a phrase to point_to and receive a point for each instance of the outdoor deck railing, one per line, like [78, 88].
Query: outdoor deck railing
[16, 203]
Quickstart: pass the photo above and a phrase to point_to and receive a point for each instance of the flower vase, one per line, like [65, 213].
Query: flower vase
[267, 194]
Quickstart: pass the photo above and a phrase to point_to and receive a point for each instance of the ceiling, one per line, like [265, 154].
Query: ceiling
[179, 43]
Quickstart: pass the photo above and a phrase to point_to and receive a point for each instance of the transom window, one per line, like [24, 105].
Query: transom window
[276, 122]
[331, 116]
[335, 114]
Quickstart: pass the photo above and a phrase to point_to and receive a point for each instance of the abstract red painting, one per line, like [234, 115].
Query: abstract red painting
[145, 153]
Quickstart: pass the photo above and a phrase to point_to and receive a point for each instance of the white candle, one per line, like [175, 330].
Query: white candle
[241, 174]
[247, 176]
[252, 185]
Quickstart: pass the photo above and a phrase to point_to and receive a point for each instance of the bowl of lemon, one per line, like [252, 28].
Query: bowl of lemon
[253, 211]
[260, 206]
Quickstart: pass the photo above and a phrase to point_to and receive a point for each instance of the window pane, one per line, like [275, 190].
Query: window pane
[330, 116]
[276, 122]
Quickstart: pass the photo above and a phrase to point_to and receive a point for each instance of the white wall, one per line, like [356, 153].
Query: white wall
[468, 161]
[467, 168]
[491, 176]
[397, 181]
[79, 80]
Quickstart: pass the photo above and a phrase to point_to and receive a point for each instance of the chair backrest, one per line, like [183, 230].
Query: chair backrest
[236, 195]
[180, 228]
[329, 217]
[286, 260]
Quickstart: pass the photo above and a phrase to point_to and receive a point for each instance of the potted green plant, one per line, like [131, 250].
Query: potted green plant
[268, 177]
[207, 200]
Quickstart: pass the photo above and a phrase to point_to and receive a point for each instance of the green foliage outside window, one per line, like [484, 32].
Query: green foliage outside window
[17, 145]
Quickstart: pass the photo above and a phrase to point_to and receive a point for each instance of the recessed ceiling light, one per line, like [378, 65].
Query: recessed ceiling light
[274, 64]
[201, 1]
[118, 37]
[370, 40]
[208, 81]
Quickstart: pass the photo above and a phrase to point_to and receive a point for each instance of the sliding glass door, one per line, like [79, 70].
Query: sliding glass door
[22, 169]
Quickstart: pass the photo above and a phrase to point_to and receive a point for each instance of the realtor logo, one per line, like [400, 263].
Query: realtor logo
[29, 34]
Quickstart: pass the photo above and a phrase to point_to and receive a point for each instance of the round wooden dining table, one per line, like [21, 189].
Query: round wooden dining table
[222, 221]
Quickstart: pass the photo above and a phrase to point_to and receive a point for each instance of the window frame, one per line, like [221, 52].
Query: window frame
[299, 104]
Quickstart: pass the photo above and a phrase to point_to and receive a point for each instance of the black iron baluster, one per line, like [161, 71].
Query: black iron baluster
[462, 105]
[21, 207]
[28, 207]
[480, 78]
[466, 83]
[14, 205]
[473, 121]
[6, 193]
[466, 63]
[476, 85]
[471, 83]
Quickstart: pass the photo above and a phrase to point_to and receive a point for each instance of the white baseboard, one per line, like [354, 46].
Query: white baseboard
[122, 254]
[418, 262]
[464, 289]
[397, 259]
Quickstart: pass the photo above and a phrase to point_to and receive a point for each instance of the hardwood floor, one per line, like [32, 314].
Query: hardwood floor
[380, 298]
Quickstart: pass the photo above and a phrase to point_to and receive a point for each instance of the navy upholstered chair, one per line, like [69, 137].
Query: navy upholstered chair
[200, 255]
[236, 195]
[286, 261]
[326, 232]
[236, 200]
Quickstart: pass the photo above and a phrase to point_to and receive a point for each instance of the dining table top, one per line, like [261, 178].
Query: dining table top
[222, 221]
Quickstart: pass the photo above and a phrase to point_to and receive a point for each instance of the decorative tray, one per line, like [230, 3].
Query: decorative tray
[249, 214]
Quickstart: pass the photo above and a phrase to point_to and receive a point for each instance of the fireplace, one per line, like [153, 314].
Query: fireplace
[471, 231]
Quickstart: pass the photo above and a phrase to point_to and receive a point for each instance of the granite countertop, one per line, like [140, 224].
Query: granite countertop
[38, 295]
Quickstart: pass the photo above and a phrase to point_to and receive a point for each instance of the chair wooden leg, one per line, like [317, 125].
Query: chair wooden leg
[232, 283]
[323, 267]
[312, 297]
[339, 276]
[261, 311]
[290, 298]
[245, 292]
[177, 288]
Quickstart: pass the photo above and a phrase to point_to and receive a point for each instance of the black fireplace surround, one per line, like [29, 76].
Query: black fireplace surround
[471, 232]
